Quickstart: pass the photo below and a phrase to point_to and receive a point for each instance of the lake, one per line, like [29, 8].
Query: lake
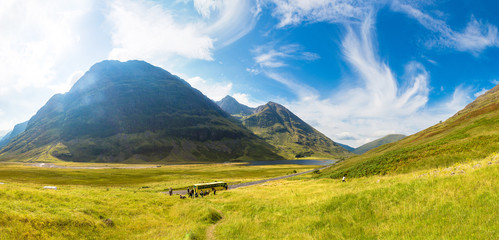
[299, 162]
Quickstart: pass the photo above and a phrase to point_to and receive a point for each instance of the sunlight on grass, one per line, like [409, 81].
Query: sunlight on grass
[457, 202]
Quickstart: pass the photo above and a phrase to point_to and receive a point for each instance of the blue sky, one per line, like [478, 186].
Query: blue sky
[355, 70]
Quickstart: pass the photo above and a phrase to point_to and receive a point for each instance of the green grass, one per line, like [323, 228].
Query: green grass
[434, 204]
[458, 202]
[156, 179]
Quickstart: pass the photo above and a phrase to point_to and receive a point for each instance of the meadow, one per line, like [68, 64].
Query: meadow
[456, 202]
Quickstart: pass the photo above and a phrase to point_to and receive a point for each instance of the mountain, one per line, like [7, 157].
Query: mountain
[18, 129]
[233, 107]
[290, 135]
[350, 149]
[472, 133]
[132, 112]
[378, 142]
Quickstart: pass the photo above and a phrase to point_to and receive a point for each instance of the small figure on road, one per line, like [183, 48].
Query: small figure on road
[170, 191]
[344, 177]
[214, 191]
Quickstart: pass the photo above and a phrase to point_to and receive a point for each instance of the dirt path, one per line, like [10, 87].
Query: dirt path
[246, 184]
[210, 231]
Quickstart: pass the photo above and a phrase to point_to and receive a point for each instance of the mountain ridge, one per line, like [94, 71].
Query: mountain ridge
[134, 111]
[233, 107]
[378, 142]
[293, 137]
[18, 129]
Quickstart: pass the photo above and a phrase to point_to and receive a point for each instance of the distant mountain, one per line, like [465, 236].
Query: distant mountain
[472, 133]
[350, 149]
[290, 135]
[18, 129]
[378, 142]
[233, 107]
[130, 112]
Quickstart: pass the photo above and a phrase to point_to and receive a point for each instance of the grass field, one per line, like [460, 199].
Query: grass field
[458, 202]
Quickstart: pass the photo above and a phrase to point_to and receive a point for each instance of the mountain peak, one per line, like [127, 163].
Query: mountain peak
[134, 111]
[293, 137]
[233, 107]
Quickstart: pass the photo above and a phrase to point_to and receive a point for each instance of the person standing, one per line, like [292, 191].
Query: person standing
[344, 177]
[170, 191]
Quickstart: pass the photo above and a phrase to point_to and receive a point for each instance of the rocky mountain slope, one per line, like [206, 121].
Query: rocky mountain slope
[133, 112]
[293, 137]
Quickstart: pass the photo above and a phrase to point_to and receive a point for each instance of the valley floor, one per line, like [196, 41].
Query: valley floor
[458, 202]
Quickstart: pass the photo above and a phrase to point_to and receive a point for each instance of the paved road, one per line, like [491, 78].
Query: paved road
[184, 192]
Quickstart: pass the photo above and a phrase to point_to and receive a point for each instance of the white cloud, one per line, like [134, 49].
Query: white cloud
[144, 29]
[246, 99]
[205, 7]
[269, 57]
[476, 37]
[36, 37]
[377, 106]
[294, 12]
[356, 115]
[235, 19]
[214, 90]
[495, 81]
[481, 92]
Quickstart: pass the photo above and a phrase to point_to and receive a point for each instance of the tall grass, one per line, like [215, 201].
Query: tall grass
[458, 202]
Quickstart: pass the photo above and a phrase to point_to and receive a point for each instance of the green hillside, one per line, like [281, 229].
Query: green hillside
[472, 133]
[292, 137]
[378, 142]
[133, 112]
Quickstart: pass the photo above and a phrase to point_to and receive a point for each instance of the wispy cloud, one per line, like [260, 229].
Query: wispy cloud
[294, 12]
[476, 37]
[268, 56]
[234, 19]
[379, 104]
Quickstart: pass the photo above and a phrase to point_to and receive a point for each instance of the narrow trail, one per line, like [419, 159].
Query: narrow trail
[210, 231]
[246, 184]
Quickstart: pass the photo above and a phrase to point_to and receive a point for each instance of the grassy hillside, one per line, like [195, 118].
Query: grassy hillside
[472, 133]
[292, 137]
[459, 202]
[378, 142]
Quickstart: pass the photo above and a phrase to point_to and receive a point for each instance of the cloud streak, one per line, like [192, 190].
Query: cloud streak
[294, 12]
[380, 103]
[476, 37]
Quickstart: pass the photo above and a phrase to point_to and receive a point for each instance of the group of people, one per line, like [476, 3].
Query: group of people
[195, 194]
